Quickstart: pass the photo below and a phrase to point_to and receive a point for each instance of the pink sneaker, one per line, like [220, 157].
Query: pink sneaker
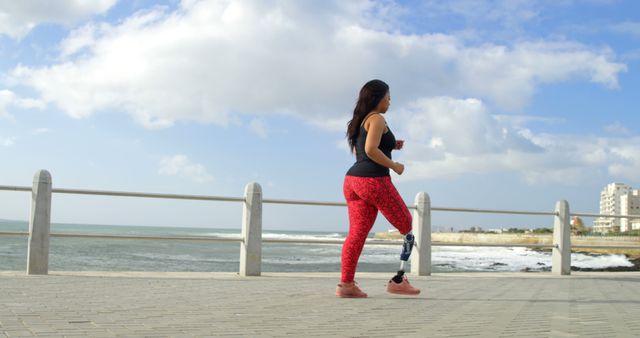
[349, 290]
[403, 288]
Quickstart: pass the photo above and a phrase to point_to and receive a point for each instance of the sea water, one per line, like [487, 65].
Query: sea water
[97, 254]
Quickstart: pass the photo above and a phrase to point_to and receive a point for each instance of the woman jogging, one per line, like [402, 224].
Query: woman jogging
[368, 188]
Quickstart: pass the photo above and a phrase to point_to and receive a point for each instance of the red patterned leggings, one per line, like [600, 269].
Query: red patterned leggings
[365, 196]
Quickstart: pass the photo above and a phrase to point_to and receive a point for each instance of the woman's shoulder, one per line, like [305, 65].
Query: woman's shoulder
[376, 120]
[375, 117]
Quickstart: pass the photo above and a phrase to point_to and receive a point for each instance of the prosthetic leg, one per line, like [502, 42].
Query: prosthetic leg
[407, 246]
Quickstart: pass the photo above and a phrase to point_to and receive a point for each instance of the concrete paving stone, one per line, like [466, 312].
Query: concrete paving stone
[19, 333]
[13, 326]
[499, 305]
[43, 332]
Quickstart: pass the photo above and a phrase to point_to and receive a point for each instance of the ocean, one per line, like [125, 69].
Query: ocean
[87, 254]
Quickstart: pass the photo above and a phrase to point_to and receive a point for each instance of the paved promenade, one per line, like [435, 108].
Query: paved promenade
[302, 305]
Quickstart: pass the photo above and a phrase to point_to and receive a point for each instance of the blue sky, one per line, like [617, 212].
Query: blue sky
[503, 104]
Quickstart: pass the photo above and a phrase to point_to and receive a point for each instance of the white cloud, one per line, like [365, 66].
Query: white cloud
[7, 141]
[447, 138]
[338, 124]
[461, 127]
[6, 98]
[209, 60]
[78, 40]
[617, 128]
[522, 120]
[18, 18]
[627, 154]
[10, 99]
[181, 165]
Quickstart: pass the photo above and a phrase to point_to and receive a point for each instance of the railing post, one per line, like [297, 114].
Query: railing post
[39, 224]
[421, 256]
[561, 257]
[251, 246]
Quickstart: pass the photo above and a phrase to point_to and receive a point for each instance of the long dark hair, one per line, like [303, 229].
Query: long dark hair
[370, 96]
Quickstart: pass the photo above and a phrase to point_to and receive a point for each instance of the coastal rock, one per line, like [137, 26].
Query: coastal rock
[541, 269]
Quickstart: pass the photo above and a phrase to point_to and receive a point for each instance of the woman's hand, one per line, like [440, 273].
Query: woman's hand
[398, 168]
[399, 144]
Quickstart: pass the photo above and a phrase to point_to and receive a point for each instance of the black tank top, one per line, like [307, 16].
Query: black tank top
[366, 167]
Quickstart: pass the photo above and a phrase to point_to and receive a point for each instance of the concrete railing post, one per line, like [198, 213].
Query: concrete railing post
[39, 224]
[421, 255]
[561, 258]
[251, 246]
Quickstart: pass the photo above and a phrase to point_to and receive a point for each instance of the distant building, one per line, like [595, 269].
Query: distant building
[497, 231]
[630, 205]
[618, 199]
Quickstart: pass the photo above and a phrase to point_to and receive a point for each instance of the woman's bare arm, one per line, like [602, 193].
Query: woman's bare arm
[376, 127]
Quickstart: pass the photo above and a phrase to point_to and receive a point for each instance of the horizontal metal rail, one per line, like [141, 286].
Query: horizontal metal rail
[204, 238]
[496, 245]
[496, 211]
[583, 246]
[266, 200]
[13, 233]
[130, 194]
[295, 202]
[153, 238]
[369, 241]
[308, 241]
[148, 195]
[14, 188]
[582, 214]
[281, 201]
[104, 236]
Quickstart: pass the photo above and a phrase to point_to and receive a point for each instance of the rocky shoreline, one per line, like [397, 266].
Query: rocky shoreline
[635, 267]
[633, 255]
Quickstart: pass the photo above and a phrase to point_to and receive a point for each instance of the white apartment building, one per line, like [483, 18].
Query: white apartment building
[618, 199]
[630, 205]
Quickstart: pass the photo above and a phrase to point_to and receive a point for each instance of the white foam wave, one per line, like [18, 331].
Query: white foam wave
[455, 258]
[222, 235]
[488, 259]
[599, 261]
[301, 236]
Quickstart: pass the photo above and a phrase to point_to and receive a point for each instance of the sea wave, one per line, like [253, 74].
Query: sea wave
[599, 261]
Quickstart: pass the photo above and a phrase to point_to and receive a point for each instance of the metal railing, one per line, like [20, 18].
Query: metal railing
[251, 236]
[496, 211]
